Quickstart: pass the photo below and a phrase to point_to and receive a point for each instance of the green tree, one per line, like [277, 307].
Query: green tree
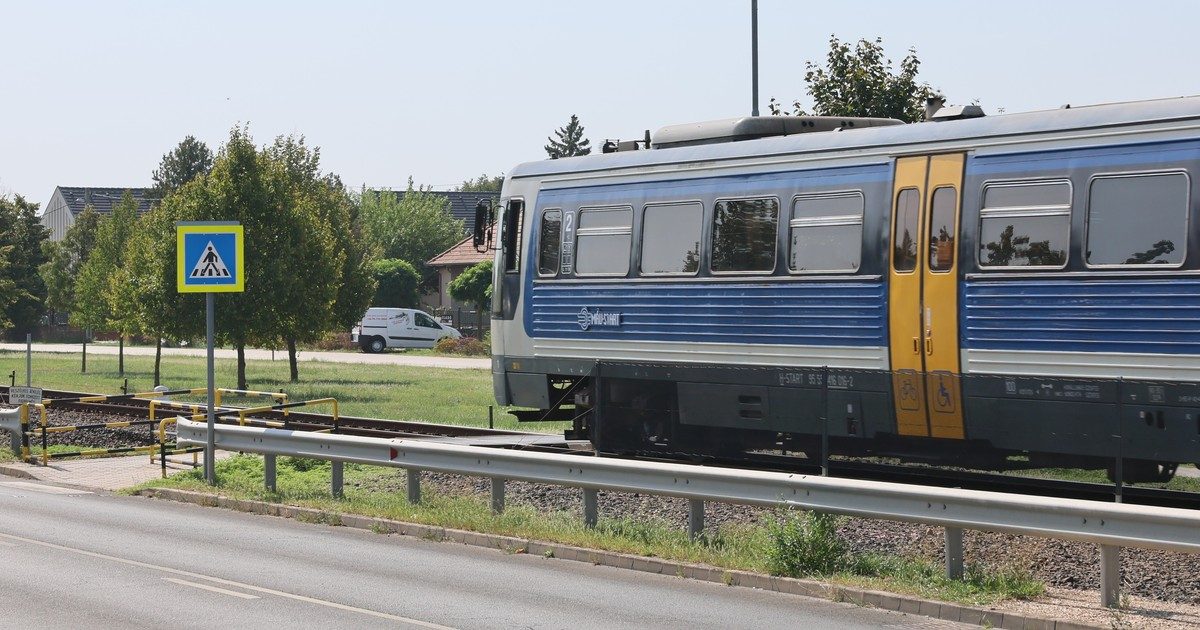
[312, 267]
[24, 233]
[189, 159]
[414, 226]
[398, 284]
[93, 307]
[859, 81]
[65, 259]
[474, 286]
[483, 183]
[143, 291]
[8, 288]
[568, 141]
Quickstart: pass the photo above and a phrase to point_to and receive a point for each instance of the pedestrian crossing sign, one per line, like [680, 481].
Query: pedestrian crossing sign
[210, 257]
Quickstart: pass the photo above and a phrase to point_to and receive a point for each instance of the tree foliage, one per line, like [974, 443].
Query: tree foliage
[483, 183]
[93, 304]
[66, 258]
[187, 161]
[568, 141]
[859, 81]
[413, 226]
[22, 236]
[398, 284]
[474, 285]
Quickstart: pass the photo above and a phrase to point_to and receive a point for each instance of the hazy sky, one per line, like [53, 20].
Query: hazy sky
[95, 92]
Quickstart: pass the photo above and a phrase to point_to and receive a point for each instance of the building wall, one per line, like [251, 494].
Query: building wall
[57, 217]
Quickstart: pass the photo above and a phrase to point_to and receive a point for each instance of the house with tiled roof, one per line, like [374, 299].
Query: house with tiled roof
[452, 262]
[68, 202]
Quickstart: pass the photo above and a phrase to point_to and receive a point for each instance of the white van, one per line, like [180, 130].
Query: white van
[383, 328]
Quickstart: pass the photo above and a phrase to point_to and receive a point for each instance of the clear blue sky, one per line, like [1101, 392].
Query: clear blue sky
[95, 92]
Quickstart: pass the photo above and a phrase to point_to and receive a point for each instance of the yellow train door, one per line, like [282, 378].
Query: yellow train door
[923, 295]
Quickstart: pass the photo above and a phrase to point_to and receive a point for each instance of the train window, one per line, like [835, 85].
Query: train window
[1138, 219]
[906, 230]
[671, 238]
[744, 234]
[549, 243]
[825, 232]
[942, 228]
[603, 240]
[1025, 224]
[512, 235]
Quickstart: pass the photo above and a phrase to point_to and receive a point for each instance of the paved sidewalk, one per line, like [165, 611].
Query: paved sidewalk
[386, 358]
[102, 473]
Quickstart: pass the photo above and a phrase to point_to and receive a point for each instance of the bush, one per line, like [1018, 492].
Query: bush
[805, 544]
[398, 284]
[469, 346]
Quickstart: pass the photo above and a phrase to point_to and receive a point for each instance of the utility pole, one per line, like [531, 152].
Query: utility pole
[753, 57]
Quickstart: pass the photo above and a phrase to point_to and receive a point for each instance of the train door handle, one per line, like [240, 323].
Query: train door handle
[916, 345]
[929, 345]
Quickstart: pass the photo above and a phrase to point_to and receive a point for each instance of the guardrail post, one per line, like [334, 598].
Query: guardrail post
[269, 472]
[414, 485]
[497, 495]
[1110, 576]
[591, 507]
[695, 518]
[16, 435]
[336, 481]
[954, 553]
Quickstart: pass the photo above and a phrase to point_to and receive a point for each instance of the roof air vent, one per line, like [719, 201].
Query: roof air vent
[957, 112]
[754, 127]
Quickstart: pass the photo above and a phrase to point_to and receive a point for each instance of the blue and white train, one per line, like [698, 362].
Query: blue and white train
[966, 289]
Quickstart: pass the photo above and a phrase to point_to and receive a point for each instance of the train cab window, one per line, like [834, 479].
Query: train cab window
[1138, 220]
[825, 232]
[602, 241]
[671, 238]
[744, 235]
[549, 243]
[1025, 224]
[512, 235]
[905, 231]
[942, 228]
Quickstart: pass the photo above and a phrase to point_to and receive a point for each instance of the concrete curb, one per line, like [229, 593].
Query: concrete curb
[16, 472]
[806, 588]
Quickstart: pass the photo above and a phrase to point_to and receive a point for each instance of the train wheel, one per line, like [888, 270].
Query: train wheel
[1143, 471]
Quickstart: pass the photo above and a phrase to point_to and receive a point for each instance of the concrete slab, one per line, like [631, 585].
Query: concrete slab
[103, 473]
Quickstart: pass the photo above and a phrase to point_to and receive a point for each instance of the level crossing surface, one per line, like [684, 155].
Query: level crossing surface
[78, 558]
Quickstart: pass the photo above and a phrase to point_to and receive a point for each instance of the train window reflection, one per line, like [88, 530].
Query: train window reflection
[904, 234]
[603, 240]
[1138, 220]
[671, 238]
[550, 243]
[744, 234]
[1025, 224]
[826, 232]
[942, 229]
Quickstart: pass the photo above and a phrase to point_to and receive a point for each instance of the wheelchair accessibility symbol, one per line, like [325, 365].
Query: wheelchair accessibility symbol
[944, 400]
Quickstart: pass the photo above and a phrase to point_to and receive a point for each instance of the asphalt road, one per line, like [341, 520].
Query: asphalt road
[391, 357]
[78, 559]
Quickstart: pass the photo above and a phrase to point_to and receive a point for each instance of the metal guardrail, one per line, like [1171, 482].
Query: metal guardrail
[1110, 525]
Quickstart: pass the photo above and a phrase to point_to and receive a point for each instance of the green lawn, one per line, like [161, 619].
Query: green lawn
[377, 391]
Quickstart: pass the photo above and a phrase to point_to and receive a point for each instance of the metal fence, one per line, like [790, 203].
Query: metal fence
[1109, 525]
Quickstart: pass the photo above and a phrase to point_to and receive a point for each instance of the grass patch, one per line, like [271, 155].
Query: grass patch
[767, 548]
[806, 544]
[384, 391]
[1179, 482]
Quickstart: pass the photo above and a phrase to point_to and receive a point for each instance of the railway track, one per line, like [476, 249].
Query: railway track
[897, 473]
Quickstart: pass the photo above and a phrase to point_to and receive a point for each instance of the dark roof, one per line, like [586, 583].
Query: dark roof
[462, 204]
[103, 199]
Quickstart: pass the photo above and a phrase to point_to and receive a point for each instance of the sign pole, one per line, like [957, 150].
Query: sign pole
[28, 360]
[210, 449]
